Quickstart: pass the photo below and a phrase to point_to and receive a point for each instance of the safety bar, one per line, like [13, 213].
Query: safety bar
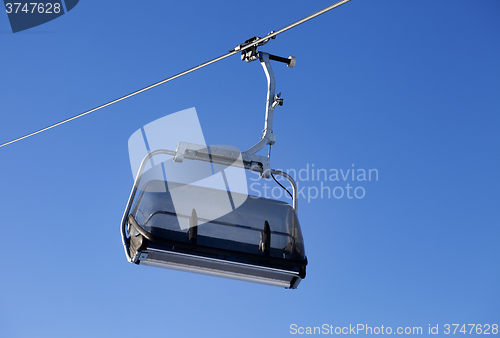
[239, 226]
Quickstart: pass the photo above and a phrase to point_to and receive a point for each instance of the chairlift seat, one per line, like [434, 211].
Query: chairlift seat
[259, 241]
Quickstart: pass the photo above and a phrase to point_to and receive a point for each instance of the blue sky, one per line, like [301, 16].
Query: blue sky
[405, 87]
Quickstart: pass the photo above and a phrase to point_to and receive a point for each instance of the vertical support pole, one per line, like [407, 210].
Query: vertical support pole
[268, 137]
[271, 85]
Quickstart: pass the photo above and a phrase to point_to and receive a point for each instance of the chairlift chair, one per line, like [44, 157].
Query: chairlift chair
[260, 241]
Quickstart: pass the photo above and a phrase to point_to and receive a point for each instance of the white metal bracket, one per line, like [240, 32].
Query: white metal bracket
[228, 157]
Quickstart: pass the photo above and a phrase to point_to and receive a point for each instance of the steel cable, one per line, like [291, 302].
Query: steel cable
[232, 52]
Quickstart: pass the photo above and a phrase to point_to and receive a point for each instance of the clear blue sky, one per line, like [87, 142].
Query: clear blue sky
[410, 88]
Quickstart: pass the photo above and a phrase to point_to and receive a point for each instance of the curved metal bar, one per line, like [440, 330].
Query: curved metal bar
[294, 187]
[132, 195]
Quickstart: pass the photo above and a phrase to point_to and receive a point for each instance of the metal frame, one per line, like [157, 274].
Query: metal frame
[193, 155]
